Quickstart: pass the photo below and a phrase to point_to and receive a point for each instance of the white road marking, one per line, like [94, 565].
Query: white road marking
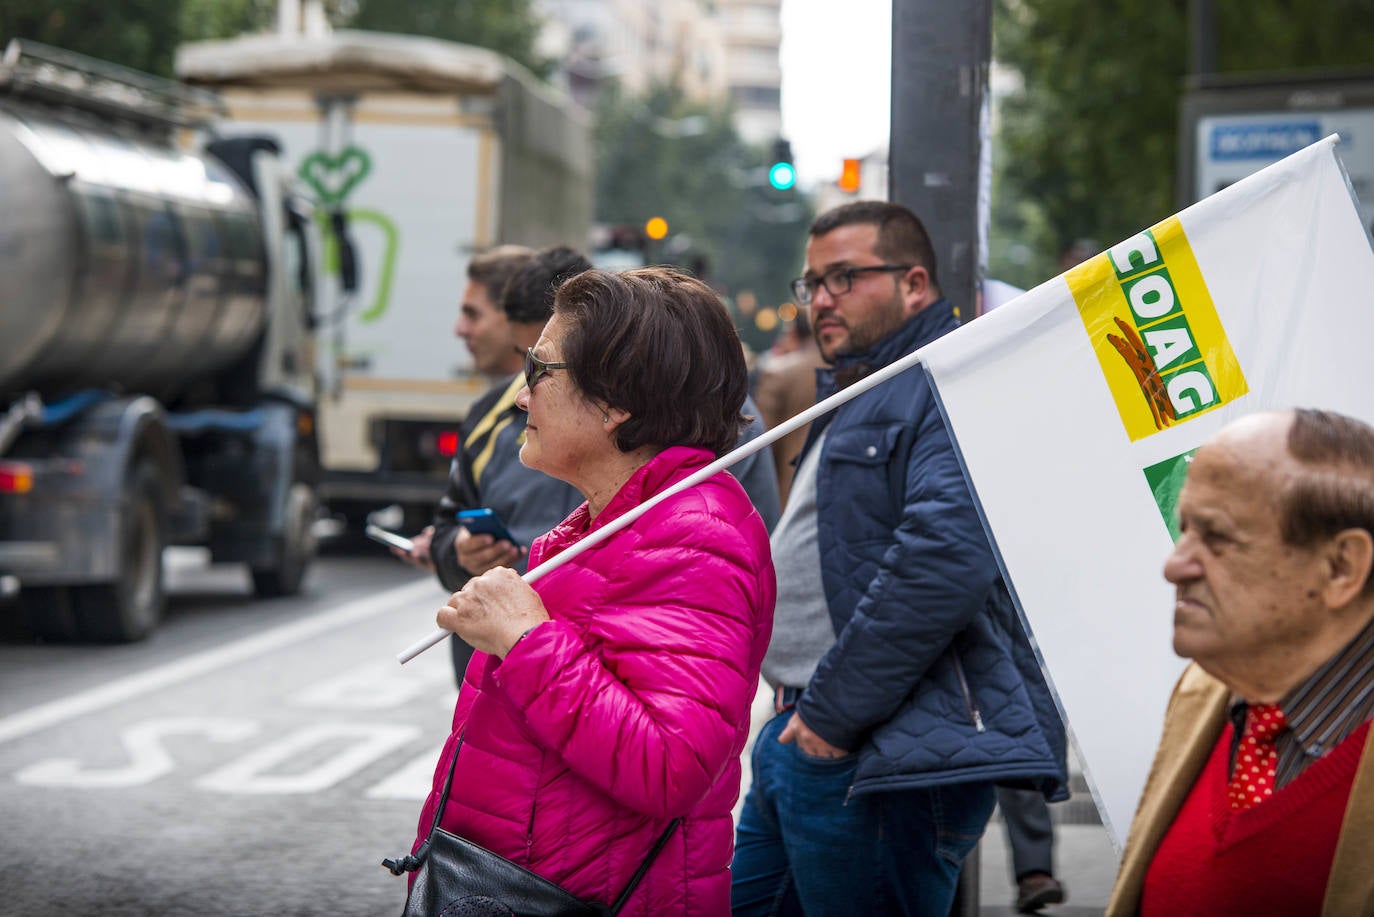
[369, 741]
[59, 711]
[373, 687]
[148, 760]
[413, 781]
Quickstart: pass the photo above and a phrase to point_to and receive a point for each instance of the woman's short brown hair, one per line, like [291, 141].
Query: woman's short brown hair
[659, 345]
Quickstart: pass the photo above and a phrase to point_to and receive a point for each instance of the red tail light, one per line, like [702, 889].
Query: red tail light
[15, 478]
[448, 444]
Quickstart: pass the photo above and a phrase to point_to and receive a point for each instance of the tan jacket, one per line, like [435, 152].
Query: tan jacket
[1192, 724]
[786, 386]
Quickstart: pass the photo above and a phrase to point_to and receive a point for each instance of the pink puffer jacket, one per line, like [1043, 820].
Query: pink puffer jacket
[629, 708]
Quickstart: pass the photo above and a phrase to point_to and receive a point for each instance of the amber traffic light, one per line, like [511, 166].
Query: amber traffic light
[850, 177]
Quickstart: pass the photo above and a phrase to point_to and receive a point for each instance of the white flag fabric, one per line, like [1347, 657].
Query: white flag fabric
[1076, 406]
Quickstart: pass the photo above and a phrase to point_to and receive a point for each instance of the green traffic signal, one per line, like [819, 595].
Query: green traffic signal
[782, 175]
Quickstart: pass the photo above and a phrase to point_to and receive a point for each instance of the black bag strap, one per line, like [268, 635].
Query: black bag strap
[412, 862]
[448, 783]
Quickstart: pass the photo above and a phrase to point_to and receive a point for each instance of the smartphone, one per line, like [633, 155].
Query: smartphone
[485, 522]
[376, 533]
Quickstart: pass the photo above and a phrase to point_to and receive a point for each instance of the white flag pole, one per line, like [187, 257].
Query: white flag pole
[720, 464]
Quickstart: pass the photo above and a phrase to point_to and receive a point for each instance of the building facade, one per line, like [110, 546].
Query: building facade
[710, 48]
[753, 35]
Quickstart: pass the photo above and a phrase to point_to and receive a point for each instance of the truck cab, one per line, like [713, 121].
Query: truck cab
[157, 381]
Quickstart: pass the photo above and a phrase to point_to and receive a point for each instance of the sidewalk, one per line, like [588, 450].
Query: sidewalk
[1084, 858]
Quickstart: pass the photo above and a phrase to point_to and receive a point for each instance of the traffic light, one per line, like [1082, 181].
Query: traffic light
[782, 174]
[850, 176]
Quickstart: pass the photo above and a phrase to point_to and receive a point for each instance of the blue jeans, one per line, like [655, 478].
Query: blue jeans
[805, 846]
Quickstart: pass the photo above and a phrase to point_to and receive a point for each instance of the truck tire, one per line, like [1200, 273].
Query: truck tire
[294, 549]
[131, 607]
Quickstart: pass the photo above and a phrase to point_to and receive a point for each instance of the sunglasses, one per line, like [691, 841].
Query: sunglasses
[536, 369]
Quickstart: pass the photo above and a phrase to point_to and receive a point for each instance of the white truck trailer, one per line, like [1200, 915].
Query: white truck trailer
[427, 151]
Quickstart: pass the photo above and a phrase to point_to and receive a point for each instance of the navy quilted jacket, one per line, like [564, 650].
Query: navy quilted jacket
[931, 676]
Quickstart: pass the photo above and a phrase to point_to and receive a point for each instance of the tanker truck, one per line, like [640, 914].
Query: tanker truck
[156, 377]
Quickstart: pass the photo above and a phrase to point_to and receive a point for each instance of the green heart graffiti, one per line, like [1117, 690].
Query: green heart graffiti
[333, 176]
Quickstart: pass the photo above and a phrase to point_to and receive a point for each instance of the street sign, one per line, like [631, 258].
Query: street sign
[1232, 128]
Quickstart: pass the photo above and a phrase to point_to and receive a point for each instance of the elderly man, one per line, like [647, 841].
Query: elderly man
[1261, 797]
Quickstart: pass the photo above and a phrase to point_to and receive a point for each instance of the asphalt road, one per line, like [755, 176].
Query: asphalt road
[261, 758]
[251, 758]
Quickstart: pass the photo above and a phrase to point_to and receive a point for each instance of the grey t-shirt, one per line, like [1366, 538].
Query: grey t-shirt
[802, 632]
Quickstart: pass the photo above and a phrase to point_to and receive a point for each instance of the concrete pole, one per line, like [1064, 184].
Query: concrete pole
[940, 55]
[315, 23]
[289, 18]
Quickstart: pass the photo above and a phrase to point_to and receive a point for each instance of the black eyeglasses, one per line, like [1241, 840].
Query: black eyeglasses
[837, 282]
[536, 369]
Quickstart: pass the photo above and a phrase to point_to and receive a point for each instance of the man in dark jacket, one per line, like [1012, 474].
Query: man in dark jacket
[906, 688]
[488, 472]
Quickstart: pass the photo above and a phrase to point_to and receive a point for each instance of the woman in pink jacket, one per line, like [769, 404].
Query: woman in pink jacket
[614, 695]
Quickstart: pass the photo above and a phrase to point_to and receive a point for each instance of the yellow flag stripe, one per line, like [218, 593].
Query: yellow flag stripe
[1152, 284]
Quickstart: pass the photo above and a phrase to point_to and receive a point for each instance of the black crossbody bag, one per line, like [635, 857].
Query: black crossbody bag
[457, 878]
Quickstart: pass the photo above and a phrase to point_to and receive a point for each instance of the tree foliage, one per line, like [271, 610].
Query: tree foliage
[205, 20]
[507, 26]
[662, 155]
[1088, 147]
[142, 34]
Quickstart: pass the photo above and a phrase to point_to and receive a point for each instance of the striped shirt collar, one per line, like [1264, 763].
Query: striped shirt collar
[1336, 699]
[1327, 707]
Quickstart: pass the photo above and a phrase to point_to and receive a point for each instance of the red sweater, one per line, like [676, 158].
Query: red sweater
[1272, 858]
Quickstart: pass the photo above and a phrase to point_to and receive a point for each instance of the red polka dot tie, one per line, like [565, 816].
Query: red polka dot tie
[1257, 759]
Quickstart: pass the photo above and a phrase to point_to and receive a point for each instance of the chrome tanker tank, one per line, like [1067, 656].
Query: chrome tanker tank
[124, 263]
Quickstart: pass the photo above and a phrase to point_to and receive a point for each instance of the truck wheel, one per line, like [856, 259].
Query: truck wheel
[295, 547]
[131, 607]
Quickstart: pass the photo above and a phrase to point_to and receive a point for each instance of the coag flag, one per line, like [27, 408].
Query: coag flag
[1076, 406]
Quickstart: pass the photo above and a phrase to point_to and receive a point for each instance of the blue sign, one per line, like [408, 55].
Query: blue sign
[1271, 141]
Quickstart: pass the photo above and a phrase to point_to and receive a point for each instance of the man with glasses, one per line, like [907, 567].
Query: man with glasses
[905, 687]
